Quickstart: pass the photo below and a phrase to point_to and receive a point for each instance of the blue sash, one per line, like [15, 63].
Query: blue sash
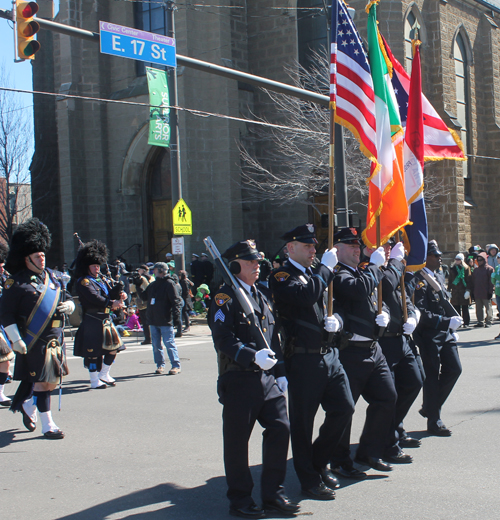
[42, 312]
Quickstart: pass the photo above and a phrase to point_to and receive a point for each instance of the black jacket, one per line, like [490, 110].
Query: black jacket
[164, 303]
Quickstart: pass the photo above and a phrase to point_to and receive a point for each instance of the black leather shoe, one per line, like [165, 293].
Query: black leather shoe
[282, 505]
[54, 434]
[348, 471]
[423, 413]
[410, 442]
[320, 492]
[373, 463]
[400, 458]
[328, 479]
[28, 423]
[251, 511]
[7, 402]
[440, 431]
[146, 342]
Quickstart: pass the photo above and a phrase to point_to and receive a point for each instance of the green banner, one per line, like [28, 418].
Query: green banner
[159, 119]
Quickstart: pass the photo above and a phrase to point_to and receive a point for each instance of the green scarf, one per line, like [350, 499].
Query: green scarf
[460, 275]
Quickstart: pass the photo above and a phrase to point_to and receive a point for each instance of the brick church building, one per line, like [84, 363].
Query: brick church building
[94, 173]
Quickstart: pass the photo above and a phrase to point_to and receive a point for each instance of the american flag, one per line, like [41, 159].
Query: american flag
[351, 85]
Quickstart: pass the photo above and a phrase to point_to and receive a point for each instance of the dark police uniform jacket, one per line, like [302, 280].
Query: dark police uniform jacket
[391, 295]
[299, 303]
[355, 292]
[96, 304]
[19, 298]
[233, 341]
[433, 325]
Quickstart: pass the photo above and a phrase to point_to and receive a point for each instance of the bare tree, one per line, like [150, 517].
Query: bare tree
[290, 165]
[15, 153]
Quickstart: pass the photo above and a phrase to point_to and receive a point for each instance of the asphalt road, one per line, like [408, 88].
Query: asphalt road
[152, 448]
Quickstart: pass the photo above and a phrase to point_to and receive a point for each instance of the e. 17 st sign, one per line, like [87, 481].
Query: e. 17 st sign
[137, 45]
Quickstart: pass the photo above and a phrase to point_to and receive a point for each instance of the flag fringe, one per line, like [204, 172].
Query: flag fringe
[369, 5]
[415, 195]
[353, 130]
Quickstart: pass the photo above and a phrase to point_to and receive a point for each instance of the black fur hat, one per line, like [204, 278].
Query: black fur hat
[30, 237]
[93, 252]
[4, 251]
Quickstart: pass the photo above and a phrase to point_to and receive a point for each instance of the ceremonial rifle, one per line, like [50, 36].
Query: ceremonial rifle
[229, 279]
[436, 287]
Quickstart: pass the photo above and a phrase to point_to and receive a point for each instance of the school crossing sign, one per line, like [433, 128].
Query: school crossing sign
[181, 218]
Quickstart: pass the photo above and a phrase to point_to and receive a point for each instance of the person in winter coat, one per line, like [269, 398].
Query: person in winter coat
[458, 285]
[186, 285]
[481, 289]
[492, 250]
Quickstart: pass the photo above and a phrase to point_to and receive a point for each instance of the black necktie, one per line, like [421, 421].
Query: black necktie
[255, 295]
[309, 272]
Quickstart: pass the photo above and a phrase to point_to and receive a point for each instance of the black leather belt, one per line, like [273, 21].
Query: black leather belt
[236, 368]
[391, 335]
[302, 350]
[363, 344]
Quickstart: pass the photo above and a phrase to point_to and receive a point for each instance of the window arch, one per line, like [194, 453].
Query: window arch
[460, 58]
[412, 16]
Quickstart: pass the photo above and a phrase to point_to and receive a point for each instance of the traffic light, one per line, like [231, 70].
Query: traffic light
[26, 28]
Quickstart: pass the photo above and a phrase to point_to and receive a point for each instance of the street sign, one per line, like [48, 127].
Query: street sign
[178, 246]
[127, 42]
[181, 217]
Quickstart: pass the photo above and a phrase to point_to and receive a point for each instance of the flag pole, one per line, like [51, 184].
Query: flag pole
[331, 194]
[403, 288]
[379, 288]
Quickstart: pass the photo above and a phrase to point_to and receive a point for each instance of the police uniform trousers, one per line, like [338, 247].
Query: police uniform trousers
[442, 367]
[249, 396]
[408, 381]
[314, 380]
[370, 377]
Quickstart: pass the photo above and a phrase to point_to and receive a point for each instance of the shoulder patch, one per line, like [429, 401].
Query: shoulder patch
[362, 265]
[85, 282]
[419, 285]
[221, 299]
[281, 276]
[8, 283]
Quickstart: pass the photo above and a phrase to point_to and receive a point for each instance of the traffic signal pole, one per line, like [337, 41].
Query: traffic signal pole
[204, 66]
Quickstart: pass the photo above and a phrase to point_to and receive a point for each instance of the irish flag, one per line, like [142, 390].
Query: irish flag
[387, 198]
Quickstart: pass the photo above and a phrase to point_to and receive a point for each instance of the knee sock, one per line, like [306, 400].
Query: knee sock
[43, 405]
[3, 378]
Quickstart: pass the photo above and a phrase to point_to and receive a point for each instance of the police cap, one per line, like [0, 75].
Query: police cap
[244, 250]
[347, 236]
[305, 234]
[432, 249]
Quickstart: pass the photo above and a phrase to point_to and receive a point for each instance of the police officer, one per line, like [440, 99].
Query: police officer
[251, 387]
[395, 345]
[355, 291]
[437, 342]
[97, 339]
[313, 370]
[32, 311]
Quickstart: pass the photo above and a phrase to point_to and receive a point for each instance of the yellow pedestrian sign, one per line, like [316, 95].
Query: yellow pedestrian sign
[181, 218]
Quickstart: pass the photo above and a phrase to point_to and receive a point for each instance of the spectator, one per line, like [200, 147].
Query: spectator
[143, 279]
[196, 270]
[495, 279]
[132, 322]
[164, 312]
[202, 299]
[278, 261]
[207, 269]
[458, 285]
[187, 295]
[492, 250]
[481, 289]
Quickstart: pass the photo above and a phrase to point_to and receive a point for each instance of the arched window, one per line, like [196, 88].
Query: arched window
[409, 36]
[311, 29]
[463, 103]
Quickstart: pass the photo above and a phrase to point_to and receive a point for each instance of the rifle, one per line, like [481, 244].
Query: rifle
[447, 306]
[241, 296]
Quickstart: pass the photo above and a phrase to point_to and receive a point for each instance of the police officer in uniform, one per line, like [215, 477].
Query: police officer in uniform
[436, 339]
[32, 310]
[316, 377]
[355, 292]
[97, 339]
[397, 351]
[251, 387]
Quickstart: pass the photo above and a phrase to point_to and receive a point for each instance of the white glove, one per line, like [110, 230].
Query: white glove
[382, 319]
[455, 336]
[378, 257]
[418, 314]
[329, 258]
[409, 326]
[66, 307]
[332, 324]
[282, 383]
[18, 345]
[455, 322]
[398, 251]
[466, 295]
[264, 360]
